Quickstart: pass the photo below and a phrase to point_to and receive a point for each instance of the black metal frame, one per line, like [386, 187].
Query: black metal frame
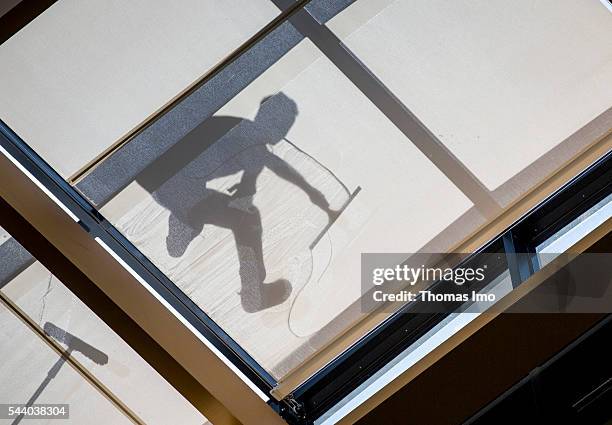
[572, 201]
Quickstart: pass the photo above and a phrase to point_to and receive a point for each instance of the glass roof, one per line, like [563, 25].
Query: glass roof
[270, 217]
[353, 127]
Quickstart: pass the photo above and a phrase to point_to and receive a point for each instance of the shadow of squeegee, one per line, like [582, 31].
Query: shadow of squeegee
[73, 344]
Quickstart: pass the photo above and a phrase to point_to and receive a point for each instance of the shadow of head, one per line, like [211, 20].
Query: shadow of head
[275, 117]
[74, 343]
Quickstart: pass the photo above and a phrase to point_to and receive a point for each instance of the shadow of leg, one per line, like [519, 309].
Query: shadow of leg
[180, 234]
[245, 224]
[255, 294]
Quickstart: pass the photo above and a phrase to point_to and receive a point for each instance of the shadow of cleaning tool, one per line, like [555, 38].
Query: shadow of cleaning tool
[331, 222]
[73, 344]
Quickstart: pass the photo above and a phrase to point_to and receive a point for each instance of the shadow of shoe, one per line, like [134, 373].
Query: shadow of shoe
[270, 295]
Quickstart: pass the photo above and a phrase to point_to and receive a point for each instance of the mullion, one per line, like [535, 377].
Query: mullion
[397, 113]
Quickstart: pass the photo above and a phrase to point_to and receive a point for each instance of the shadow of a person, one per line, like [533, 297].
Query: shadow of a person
[192, 204]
